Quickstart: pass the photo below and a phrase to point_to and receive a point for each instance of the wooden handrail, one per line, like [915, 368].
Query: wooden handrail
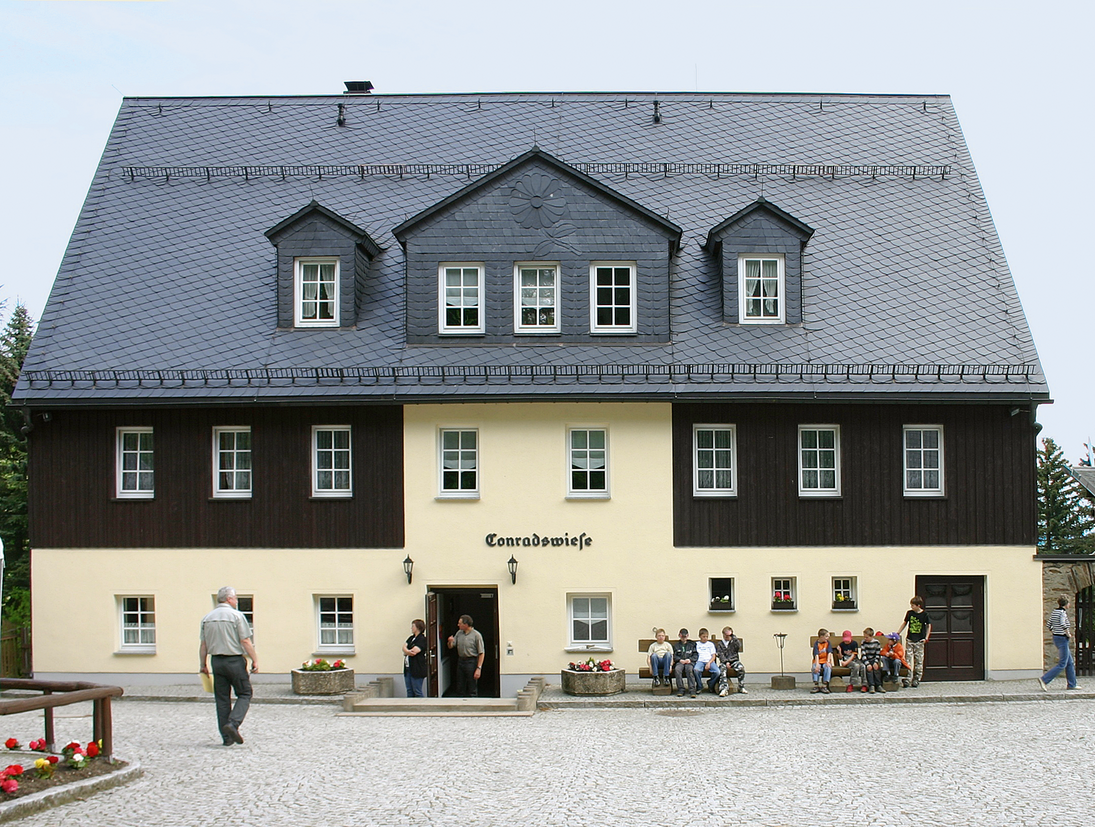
[68, 692]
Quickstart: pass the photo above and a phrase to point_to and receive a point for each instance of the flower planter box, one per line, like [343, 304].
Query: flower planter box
[334, 682]
[593, 683]
[783, 606]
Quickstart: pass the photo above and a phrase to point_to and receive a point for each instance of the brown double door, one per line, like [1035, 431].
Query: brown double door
[956, 605]
[443, 606]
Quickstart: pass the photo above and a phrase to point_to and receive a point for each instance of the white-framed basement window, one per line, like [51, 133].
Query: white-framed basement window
[458, 463]
[819, 460]
[590, 622]
[460, 298]
[536, 297]
[315, 286]
[612, 297]
[923, 462]
[761, 284]
[335, 624]
[331, 461]
[137, 624]
[135, 463]
[714, 461]
[232, 462]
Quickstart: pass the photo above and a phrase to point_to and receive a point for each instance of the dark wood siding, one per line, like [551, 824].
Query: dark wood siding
[72, 488]
[989, 462]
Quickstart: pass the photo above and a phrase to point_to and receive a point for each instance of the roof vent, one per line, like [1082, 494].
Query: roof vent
[358, 87]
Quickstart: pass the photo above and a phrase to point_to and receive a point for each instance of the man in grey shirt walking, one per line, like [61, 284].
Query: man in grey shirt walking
[226, 636]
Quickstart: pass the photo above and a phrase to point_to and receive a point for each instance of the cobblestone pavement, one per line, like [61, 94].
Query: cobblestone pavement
[1015, 763]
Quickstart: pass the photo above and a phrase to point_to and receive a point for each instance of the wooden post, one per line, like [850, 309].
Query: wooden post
[49, 724]
[107, 729]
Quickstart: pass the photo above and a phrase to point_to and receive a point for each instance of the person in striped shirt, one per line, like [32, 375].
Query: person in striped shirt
[1059, 627]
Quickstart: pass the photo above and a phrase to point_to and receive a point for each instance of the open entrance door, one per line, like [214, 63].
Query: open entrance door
[956, 605]
[444, 605]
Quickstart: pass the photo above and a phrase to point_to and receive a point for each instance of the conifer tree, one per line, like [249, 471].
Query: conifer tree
[1066, 520]
[14, 343]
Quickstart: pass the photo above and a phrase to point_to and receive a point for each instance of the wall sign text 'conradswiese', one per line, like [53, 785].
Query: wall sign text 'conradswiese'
[579, 541]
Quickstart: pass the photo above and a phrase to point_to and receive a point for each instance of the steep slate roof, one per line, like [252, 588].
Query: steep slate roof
[167, 291]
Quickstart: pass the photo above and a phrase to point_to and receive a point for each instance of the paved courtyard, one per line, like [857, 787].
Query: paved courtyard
[1015, 763]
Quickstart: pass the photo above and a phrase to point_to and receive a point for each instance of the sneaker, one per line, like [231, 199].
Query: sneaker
[815, 690]
[693, 695]
[915, 684]
[904, 683]
[1042, 685]
[880, 689]
[1072, 687]
[681, 695]
[862, 689]
[741, 690]
[723, 693]
[850, 689]
[825, 690]
[870, 689]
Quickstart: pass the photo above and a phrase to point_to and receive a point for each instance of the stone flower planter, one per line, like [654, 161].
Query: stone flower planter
[592, 683]
[334, 682]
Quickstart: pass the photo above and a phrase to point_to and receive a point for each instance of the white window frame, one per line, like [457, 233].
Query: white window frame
[462, 454]
[714, 490]
[235, 471]
[442, 321]
[575, 644]
[845, 585]
[922, 491]
[784, 585]
[343, 643]
[145, 644]
[781, 295]
[518, 303]
[299, 319]
[245, 605]
[317, 466]
[714, 603]
[594, 327]
[586, 493]
[803, 489]
[142, 474]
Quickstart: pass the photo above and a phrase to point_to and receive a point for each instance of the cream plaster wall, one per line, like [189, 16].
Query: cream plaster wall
[523, 492]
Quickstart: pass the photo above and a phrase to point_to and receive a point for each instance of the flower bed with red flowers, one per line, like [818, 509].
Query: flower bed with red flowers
[591, 665]
[76, 762]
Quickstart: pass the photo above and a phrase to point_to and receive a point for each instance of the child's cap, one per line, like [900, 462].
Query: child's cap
[879, 634]
[894, 636]
[847, 636]
[682, 632]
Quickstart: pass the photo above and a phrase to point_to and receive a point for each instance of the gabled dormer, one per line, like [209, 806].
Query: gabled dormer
[323, 261]
[759, 251]
[537, 251]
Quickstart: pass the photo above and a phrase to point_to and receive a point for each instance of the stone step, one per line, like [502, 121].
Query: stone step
[436, 707]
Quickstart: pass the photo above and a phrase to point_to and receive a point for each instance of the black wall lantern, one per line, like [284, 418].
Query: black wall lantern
[512, 563]
[408, 567]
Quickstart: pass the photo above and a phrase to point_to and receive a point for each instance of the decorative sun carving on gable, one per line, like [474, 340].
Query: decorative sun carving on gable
[537, 201]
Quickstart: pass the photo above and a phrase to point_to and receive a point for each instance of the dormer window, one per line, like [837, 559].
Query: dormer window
[461, 298]
[316, 287]
[612, 305]
[762, 289]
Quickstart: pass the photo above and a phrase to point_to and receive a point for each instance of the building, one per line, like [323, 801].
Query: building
[579, 365]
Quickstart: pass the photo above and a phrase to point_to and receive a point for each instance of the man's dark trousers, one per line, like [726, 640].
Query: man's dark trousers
[466, 685]
[230, 675]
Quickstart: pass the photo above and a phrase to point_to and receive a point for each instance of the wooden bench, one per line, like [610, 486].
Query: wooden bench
[646, 674]
[842, 672]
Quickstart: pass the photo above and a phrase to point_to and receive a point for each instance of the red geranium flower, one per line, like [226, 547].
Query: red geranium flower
[53, 759]
[12, 770]
[9, 785]
[92, 750]
[12, 743]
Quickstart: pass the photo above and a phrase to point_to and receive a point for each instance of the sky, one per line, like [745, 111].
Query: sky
[1019, 74]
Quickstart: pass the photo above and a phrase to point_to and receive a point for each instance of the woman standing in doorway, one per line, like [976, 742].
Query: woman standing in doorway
[414, 661]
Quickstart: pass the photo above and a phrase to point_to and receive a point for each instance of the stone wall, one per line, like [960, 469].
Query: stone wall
[1062, 575]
